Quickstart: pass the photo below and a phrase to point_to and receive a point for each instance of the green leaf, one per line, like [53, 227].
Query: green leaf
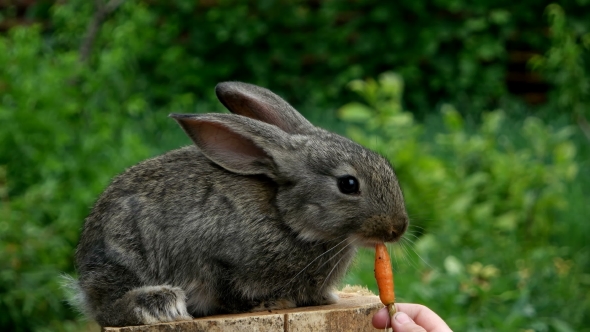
[560, 325]
[355, 112]
[454, 266]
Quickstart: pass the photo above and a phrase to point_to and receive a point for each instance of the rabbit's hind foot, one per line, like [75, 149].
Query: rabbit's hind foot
[158, 304]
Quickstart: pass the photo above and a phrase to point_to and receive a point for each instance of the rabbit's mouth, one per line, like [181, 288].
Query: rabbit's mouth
[372, 233]
[370, 242]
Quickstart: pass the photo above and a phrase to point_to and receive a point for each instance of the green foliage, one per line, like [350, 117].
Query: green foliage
[494, 253]
[448, 51]
[564, 62]
[565, 67]
[65, 135]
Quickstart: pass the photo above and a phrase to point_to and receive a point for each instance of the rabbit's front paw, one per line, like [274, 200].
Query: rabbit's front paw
[157, 304]
[330, 298]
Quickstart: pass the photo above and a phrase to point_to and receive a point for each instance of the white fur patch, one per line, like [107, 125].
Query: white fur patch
[175, 311]
[75, 295]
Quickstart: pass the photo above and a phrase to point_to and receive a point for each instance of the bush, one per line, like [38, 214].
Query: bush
[491, 249]
[565, 67]
[448, 51]
[65, 135]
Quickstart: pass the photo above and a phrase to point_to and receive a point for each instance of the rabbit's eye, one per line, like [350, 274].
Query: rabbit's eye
[348, 184]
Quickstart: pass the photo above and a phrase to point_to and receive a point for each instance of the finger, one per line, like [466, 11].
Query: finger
[424, 317]
[403, 323]
[382, 319]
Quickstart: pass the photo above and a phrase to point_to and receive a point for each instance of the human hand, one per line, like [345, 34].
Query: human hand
[410, 318]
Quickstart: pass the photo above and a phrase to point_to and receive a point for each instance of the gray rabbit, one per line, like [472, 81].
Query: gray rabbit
[265, 211]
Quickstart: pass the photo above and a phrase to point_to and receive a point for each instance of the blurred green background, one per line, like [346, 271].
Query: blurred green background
[481, 107]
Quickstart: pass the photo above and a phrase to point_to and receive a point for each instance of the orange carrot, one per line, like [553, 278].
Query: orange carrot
[384, 276]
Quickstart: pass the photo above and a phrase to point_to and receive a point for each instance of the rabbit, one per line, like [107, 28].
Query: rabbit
[264, 211]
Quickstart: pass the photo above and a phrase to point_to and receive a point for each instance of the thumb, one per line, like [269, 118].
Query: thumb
[401, 322]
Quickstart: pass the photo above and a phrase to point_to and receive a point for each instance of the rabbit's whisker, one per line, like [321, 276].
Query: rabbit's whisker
[417, 254]
[336, 254]
[405, 240]
[326, 241]
[394, 253]
[418, 226]
[404, 253]
[408, 255]
[315, 259]
[332, 270]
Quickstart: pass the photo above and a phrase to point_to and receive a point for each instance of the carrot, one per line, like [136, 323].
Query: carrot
[384, 277]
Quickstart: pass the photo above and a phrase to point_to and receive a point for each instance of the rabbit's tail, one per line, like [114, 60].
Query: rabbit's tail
[74, 295]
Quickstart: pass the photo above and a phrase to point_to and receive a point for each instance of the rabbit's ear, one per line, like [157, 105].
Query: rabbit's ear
[236, 143]
[261, 104]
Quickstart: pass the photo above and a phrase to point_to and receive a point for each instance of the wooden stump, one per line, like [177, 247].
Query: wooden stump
[353, 312]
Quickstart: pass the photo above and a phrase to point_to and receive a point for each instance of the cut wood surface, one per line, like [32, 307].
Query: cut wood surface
[353, 312]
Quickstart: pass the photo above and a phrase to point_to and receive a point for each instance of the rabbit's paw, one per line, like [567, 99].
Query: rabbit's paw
[330, 298]
[157, 304]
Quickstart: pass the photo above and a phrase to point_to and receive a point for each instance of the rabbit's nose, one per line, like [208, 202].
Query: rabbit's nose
[386, 228]
[399, 227]
[394, 234]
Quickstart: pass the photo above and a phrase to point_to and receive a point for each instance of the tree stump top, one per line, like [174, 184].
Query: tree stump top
[353, 312]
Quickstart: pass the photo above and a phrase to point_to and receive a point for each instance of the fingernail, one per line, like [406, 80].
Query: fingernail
[402, 318]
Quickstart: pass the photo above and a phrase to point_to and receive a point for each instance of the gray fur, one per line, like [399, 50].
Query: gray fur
[248, 218]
